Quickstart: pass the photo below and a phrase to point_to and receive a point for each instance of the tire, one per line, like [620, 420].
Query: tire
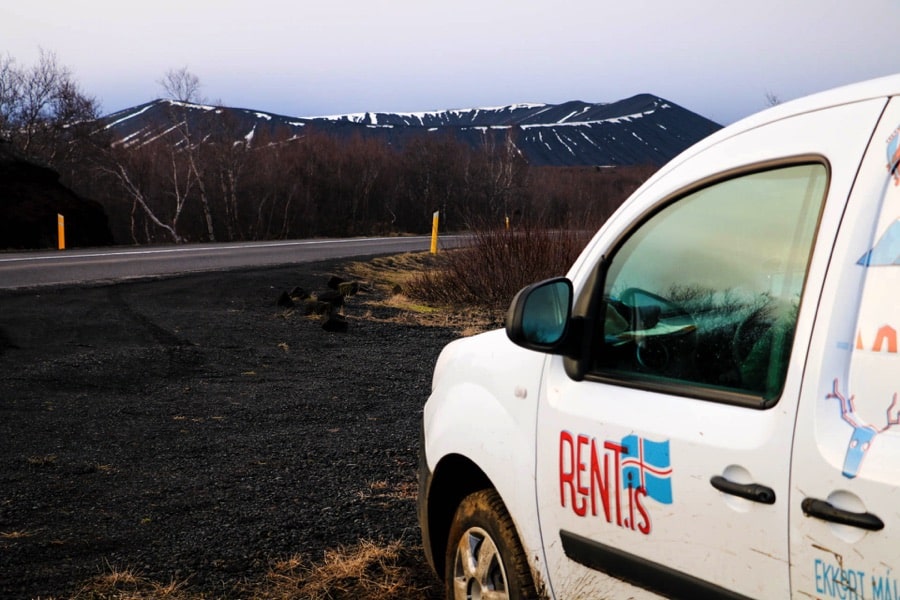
[484, 558]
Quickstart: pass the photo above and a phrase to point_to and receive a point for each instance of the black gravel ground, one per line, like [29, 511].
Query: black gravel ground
[189, 429]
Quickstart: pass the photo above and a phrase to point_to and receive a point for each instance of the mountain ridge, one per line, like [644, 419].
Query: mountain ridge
[640, 130]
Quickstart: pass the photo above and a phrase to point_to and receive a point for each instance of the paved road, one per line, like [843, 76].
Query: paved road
[30, 269]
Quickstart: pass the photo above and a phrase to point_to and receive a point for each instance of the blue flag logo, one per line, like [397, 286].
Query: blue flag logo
[887, 251]
[646, 464]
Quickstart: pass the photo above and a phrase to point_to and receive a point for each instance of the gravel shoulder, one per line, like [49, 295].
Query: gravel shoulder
[189, 429]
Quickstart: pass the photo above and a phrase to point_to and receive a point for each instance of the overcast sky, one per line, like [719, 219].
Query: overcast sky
[300, 58]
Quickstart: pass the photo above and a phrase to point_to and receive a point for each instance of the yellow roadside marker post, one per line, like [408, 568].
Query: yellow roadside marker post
[434, 231]
[61, 231]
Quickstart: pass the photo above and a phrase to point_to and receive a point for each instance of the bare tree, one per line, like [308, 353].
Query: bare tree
[140, 173]
[181, 85]
[772, 99]
[191, 150]
[10, 93]
[503, 171]
[40, 105]
[184, 87]
[226, 163]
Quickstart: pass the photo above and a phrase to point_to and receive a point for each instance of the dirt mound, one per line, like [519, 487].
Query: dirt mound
[31, 196]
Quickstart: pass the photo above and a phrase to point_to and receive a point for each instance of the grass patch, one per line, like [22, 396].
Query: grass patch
[367, 570]
[390, 277]
[128, 584]
[390, 571]
[14, 535]
[391, 274]
[45, 460]
[383, 491]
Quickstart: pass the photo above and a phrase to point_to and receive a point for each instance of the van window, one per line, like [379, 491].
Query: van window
[705, 292]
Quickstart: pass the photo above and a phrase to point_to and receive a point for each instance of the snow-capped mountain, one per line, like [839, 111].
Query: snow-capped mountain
[641, 130]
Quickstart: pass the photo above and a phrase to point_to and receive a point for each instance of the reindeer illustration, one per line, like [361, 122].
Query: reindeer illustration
[863, 434]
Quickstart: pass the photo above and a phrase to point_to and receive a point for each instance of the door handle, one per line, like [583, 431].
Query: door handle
[751, 491]
[820, 509]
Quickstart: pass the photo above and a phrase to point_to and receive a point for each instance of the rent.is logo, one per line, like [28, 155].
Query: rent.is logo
[614, 478]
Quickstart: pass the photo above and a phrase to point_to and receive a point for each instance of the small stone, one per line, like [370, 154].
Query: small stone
[335, 324]
[284, 300]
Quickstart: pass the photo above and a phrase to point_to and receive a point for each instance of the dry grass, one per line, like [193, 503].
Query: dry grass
[392, 270]
[46, 460]
[14, 535]
[383, 491]
[392, 277]
[366, 570]
[128, 584]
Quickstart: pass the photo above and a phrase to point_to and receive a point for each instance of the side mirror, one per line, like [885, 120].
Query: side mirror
[539, 317]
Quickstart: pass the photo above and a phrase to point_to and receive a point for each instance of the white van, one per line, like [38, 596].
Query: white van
[706, 405]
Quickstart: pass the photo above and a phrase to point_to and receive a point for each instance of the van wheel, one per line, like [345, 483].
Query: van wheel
[484, 558]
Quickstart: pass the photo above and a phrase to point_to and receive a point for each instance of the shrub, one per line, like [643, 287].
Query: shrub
[499, 262]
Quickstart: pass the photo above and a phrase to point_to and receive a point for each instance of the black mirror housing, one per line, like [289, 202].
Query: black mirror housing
[539, 317]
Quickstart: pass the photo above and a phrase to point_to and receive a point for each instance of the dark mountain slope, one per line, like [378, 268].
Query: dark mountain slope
[643, 129]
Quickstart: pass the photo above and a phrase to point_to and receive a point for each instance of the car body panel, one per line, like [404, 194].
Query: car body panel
[483, 407]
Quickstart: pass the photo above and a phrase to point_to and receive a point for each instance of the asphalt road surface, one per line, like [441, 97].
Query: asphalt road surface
[32, 269]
